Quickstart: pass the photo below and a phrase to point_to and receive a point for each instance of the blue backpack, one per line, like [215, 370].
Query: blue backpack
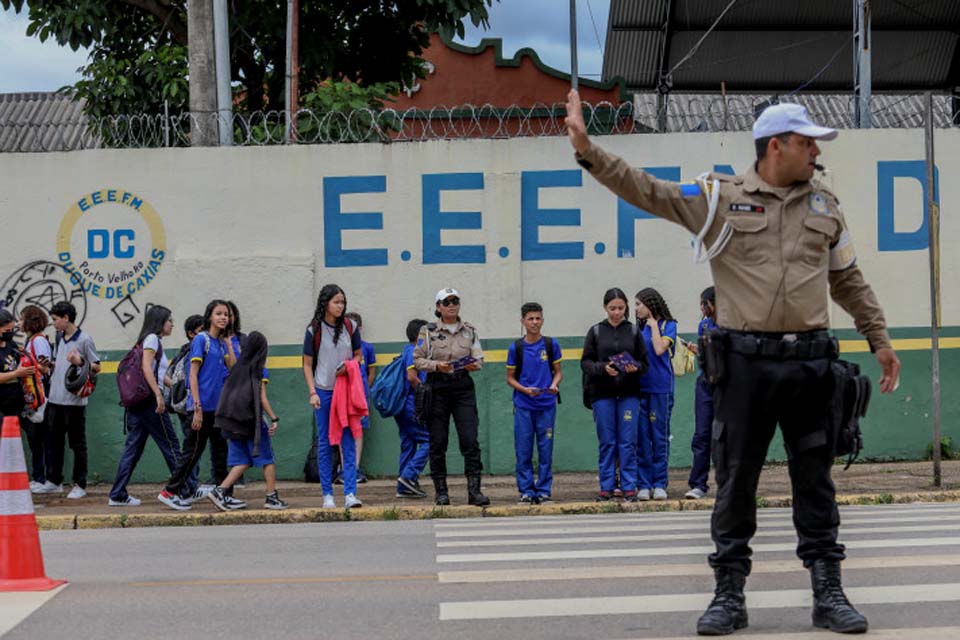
[389, 390]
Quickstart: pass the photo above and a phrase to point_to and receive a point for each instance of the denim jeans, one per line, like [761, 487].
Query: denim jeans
[143, 423]
[348, 449]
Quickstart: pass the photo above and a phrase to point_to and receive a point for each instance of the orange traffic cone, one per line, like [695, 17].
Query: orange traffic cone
[21, 561]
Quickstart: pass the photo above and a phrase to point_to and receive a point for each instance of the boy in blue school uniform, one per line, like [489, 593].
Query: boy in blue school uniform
[700, 445]
[414, 437]
[533, 370]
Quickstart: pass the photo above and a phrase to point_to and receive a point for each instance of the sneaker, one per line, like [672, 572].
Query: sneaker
[328, 502]
[695, 494]
[76, 493]
[361, 477]
[643, 495]
[544, 498]
[273, 501]
[218, 498]
[35, 486]
[617, 493]
[351, 501]
[49, 487]
[129, 501]
[198, 495]
[339, 478]
[659, 493]
[172, 501]
[630, 496]
[412, 486]
[232, 503]
[525, 499]
[604, 496]
[406, 494]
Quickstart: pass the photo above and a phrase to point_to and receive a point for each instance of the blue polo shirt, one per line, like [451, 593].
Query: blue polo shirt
[213, 370]
[659, 377]
[407, 356]
[369, 358]
[705, 325]
[536, 372]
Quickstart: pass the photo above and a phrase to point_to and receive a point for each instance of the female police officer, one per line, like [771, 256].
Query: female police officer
[448, 351]
[777, 243]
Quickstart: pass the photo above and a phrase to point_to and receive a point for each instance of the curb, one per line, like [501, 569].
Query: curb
[396, 512]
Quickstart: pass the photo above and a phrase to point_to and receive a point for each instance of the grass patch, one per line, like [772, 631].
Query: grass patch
[762, 502]
[392, 513]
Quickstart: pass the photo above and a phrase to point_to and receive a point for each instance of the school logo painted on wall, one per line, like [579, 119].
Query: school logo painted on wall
[112, 243]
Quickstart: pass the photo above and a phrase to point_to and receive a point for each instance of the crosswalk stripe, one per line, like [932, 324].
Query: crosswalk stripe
[16, 606]
[662, 537]
[669, 551]
[928, 633]
[673, 570]
[640, 528]
[527, 521]
[668, 603]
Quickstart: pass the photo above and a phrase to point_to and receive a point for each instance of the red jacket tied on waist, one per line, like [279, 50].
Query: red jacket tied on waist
[349, 403]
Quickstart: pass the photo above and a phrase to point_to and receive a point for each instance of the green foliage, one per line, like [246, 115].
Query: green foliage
[947, 449]
[139, 49]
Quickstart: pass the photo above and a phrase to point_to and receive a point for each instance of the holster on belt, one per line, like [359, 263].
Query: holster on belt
[713, 355]
[851, 397]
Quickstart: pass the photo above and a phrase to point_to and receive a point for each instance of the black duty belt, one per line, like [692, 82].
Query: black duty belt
[439, 376]
[807, 345]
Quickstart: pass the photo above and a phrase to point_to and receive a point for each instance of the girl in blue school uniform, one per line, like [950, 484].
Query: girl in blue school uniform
[700, 445]
[614, 392]
[656, 394]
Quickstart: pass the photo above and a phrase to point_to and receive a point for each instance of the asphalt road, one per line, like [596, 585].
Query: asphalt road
[618, 576]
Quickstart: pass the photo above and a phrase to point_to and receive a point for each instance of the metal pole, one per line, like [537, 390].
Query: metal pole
[203, 95]
[287, 80]
[933, 223]
[166, 123]
[574, 70]
[294, 68]
[862, 76]
[221, 44]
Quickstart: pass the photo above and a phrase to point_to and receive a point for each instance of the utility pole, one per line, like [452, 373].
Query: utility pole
[862, 80]
[203, 85]
[221, 27]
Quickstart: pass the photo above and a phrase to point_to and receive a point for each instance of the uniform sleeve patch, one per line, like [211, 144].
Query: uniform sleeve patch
[690, 190]
[842, 254]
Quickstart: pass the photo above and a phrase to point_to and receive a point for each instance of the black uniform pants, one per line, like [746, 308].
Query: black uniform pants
[454, 396]
[759, 393]
[193, 445]
[70, 422]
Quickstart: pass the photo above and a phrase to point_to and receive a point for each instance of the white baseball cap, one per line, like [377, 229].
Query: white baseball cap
[443, 294]
[787, 117]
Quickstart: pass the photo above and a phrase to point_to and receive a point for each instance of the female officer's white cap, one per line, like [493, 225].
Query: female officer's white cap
[789, 118]
[443, 294]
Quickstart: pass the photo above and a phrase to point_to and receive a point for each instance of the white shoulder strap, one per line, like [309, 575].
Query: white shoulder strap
[711, 191]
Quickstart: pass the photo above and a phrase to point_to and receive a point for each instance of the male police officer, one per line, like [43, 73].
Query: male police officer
[776, 243]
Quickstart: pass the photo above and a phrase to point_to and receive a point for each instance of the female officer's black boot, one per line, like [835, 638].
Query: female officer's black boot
[474, 496]
[443, 495]
[728, 611]
[831, 609]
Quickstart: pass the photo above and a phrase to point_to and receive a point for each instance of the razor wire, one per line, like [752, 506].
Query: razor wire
[648, 113]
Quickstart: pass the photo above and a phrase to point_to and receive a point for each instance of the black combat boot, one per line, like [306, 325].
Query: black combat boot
[728, 611]
[831, 609]
[474, 496]
[440, 486]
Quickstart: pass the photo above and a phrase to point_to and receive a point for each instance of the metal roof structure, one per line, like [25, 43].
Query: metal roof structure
[780, 45]
[43, 122]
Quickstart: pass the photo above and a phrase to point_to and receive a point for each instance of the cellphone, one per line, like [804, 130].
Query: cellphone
[341, 366]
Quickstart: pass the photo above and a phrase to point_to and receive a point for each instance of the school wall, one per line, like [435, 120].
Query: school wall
[504, 221]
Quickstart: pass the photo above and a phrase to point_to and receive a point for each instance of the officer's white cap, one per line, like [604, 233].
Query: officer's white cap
[443, 294]
[786, 118]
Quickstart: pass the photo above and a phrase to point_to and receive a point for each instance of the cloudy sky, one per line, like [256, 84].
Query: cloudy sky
[29, 65]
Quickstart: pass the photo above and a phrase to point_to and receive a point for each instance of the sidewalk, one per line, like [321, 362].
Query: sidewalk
[871, 483]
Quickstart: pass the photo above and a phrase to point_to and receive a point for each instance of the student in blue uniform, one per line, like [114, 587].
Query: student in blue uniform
[656, 394]
[414, 437]
[614, 393]
[533, 370]
[700, 445]
[368, 363]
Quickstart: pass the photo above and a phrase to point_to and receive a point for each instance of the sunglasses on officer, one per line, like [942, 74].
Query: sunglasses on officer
[450, 302]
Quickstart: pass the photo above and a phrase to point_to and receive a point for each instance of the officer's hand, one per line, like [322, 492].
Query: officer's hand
[611, 371]
[473, 366]
[890, 366]
[576, 127]
[444, 367]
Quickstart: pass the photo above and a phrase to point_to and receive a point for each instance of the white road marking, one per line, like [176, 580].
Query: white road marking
[15, 607]
[927, 633]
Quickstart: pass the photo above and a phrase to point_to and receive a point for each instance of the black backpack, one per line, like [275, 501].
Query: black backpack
[518, 358]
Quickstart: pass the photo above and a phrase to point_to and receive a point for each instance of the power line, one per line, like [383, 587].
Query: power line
[693, 50]
[596, 32]
[830, 62]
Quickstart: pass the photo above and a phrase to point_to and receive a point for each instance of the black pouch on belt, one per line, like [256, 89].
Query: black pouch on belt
[422, 403]
[851, 396]
[713, 361]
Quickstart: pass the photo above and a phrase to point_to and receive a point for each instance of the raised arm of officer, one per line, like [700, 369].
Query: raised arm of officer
[850, 290]
[662, 198]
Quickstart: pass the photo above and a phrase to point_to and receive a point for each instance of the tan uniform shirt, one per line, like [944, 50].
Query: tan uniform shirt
[439, 344]
[787, 247]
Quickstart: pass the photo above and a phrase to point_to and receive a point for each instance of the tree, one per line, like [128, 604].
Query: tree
[138, 55]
